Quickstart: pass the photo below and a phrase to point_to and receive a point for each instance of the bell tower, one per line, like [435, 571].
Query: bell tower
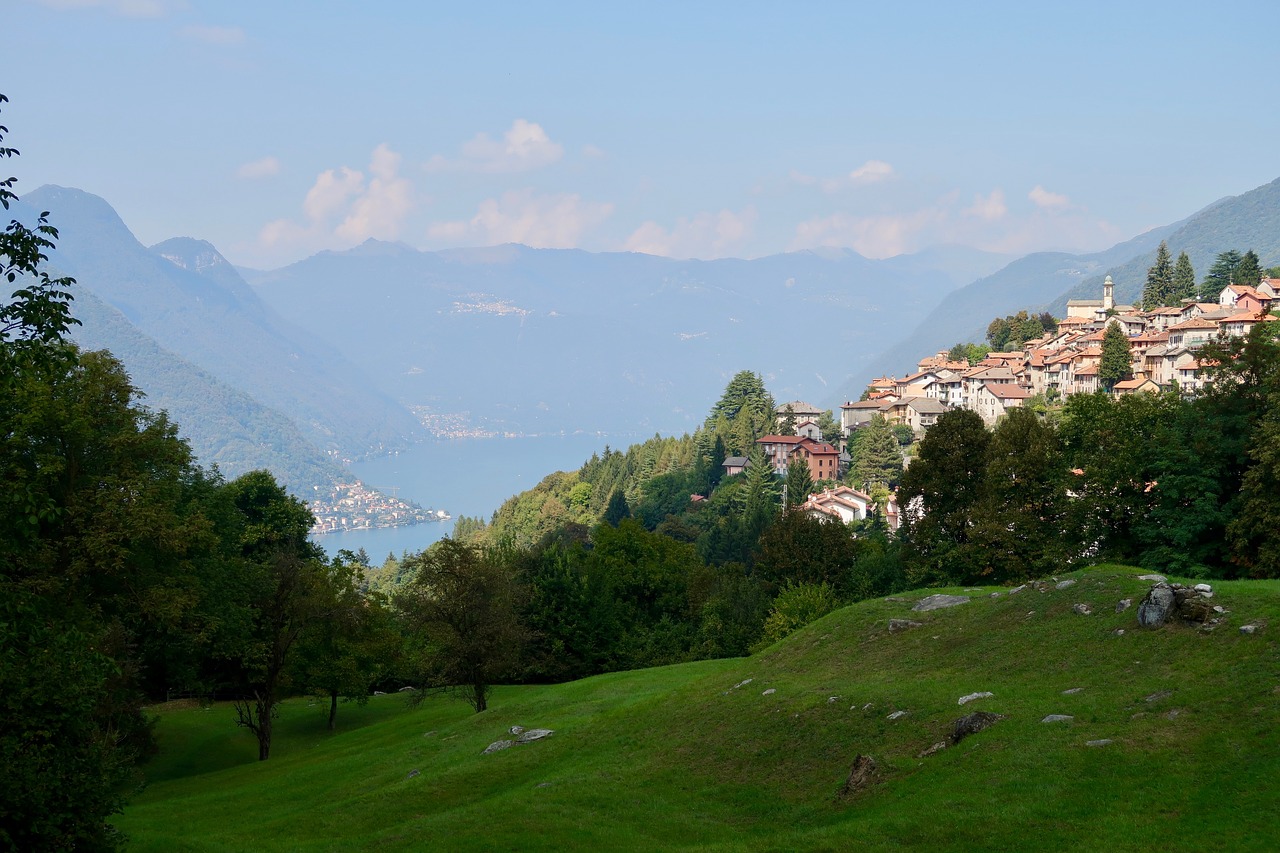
[1108, 299]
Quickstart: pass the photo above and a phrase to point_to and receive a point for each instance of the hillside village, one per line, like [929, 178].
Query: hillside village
[1054, 366]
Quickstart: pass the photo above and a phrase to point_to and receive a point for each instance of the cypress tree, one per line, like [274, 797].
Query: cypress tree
[799, 482]
[1184, 281]
[1116, 361]
[1159, 287]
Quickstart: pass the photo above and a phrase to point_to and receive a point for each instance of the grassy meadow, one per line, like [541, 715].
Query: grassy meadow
[681, 757]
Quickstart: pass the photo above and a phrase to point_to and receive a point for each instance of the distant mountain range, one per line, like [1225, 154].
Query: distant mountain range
[340, 355]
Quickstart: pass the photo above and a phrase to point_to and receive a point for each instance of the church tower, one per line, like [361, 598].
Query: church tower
[1108, 301]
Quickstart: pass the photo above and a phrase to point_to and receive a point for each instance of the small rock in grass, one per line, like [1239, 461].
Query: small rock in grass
[1064, 584]
[937, 747]
[1157, 578]
[1249, 629]
[938, 601]
[964, 700]
[1157, 696]
[515, 730]
[1173, 714]
[1101, 742]
[770, 691]
[1072, 691]
[1203, 587]
[1082, 609]
[498, 746]
[899, 625]
[1017, 589]
[543, 785]
[867, 707]
[832, 700]
[743, 683]
[1058, 718]
[1123, 604]
[1119, 632]
[534, 734]
[896, 715]
[413, 773]
[995, 595]
[861, 774]
[971, 724]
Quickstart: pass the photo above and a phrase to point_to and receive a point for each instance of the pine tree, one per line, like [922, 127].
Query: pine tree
[1159, 287]
[1221, 274]
[799, 482]
[879, 457]
[761, 486]
[1248, 272]
[788, 426]
[1116, 361]
[1184, 281]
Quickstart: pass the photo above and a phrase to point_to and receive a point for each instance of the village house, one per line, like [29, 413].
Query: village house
[799, 411]
[782, 451]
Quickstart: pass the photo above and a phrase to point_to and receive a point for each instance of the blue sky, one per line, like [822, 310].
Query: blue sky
[277, 129]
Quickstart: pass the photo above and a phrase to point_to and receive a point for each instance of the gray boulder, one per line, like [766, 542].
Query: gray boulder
[939, 601]
[1064, 584]
[498, 746]
[971, 724]
[964, 700]
[1100, 742]
[897, 626]
[1082, 609]
[1058, 718]
[861, 774]
[1123, 604]
[531, 735]
[1157, 606]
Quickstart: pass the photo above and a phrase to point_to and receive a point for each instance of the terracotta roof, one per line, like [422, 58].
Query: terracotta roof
[1131, 384]
[1007, 392]
[1195, 323]
[1087, 370]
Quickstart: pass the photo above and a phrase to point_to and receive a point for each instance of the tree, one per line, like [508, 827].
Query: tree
[788, 425]
[1020, 518]
[345, 653]
[1221, 274]
[1248, 272]
[999, 332]
[617, 509]
[1117, 360]
[830, 428]
[939, 497]
[463, 613]
[959, 352]
[1159, 286]
[799, 482]
[879, 457]
[1184, 281]
[744, 412]
[286, 591]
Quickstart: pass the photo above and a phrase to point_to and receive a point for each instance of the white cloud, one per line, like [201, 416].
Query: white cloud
[212, 34]
[879, 236]
[123, 8]
[330, 192]
[871, 172]
[706, 235]
[524, 147]
[1047, 200]
[261, 168]
[342, 208]
[380, 210]
[989, 208]
[543, 221]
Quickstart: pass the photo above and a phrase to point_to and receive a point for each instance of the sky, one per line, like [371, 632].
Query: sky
[709, 129]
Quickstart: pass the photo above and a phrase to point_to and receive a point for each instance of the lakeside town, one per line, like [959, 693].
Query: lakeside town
[355, 506]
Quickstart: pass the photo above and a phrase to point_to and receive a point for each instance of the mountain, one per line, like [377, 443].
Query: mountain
[191, 302]
[224, 426]
[1243, 222]
[549, 340]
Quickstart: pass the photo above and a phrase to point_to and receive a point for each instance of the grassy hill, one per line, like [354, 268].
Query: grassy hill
[690, 756]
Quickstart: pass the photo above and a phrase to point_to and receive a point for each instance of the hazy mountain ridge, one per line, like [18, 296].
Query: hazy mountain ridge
[193, 303]
[224, 426]
[1248, 221]
[568, 339]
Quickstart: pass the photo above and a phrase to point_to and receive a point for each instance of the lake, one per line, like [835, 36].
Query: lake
[470, 476]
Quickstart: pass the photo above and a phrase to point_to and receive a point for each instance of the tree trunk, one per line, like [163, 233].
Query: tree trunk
[333, 708]
[481, 697]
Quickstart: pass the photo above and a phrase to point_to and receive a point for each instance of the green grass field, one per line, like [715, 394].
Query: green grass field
[674, 757]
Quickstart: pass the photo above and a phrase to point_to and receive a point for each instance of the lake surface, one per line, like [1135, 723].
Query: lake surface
[470, 476]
